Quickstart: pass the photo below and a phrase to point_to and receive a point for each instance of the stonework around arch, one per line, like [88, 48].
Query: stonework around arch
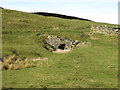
[61, 43]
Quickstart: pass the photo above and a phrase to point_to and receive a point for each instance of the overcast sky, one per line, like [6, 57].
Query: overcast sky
[96, 10]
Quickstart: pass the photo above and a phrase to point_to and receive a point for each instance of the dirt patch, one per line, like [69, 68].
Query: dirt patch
[94, 38]
[62, 51]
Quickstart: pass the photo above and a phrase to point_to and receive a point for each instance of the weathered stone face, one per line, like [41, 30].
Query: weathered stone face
[61, 42]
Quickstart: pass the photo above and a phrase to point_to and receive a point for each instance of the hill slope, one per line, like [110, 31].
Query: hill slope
[90, 66]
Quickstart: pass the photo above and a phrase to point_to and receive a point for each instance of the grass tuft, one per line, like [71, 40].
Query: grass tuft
[14, 63]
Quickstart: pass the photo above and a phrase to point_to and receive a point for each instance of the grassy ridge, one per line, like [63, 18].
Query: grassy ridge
[89, 66]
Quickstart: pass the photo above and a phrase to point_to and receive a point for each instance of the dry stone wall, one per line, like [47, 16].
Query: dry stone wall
[104, 29]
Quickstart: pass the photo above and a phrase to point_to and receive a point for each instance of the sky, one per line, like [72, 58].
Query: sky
[96, 10]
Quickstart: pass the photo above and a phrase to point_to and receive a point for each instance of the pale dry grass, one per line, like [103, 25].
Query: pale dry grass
[40, 59]
[14, 63]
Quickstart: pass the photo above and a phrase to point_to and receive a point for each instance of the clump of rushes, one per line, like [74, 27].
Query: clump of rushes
[15, 63]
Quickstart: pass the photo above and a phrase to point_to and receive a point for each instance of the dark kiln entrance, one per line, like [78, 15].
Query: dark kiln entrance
[61, 46]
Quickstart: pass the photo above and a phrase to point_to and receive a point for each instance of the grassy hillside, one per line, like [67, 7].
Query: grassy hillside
[92, 65]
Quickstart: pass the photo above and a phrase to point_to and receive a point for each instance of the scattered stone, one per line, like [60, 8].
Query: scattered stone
[109, 66]
[102, 72]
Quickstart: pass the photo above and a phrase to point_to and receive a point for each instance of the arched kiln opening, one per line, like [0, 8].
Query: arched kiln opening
[61, 46]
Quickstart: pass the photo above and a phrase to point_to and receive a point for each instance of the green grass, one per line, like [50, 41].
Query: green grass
[84, 67]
